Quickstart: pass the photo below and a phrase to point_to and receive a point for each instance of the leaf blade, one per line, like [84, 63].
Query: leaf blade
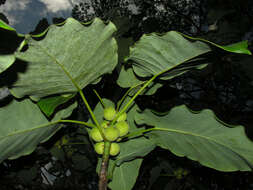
[48, 105]
[134, 148]
[6, 61]
[124, 176]
[202, 138]
[154, 54]
[69, 54]
[26, 129]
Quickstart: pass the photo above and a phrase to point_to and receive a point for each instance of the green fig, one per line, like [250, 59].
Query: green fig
[114, 150]
[99, 147]
[109, 113]
[111, 133]
[96, 135]
[123, 128]
[122, 117]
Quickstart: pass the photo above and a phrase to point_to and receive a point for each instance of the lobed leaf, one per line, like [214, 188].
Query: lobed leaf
[69, 57]
[127, 78]
[154, 54]
[200, 137]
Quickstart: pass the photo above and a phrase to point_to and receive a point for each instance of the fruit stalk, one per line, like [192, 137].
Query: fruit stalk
[104, 167]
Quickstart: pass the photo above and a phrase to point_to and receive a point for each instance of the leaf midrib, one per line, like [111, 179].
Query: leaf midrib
[30, 130]
[61, 66]
[200, 136]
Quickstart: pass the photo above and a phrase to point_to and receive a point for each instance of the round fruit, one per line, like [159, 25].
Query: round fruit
[114, 150]
[99, 147]
[96, 135]
[111, 133]
[123, 128]
[105, 124]
[109, 113]
[122, 117]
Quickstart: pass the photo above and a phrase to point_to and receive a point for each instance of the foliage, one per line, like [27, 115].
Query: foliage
[58, 63]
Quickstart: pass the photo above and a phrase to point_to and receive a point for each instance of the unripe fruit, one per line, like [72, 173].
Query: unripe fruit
[109, 113]
[123, 128]
[105, 124]
[99, 147]
[95, 135]
[111, 133]
[114, 150]
[122, 117]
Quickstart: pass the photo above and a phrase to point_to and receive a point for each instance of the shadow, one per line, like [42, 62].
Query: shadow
[10, 76]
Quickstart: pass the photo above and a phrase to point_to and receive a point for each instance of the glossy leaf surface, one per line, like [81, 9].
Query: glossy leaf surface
[49, 104]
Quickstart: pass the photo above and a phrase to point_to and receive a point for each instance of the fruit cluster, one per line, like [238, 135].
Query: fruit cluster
[111, 133]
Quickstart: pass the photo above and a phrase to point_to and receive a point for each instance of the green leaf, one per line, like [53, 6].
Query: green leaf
[134, 148]
[48, 105]
[239, 47]
[5, 26]
[154, 54]
[69, 56]
[131, 112]
[127, 78]
[200, 137]
[124, 176]
[6, 61]
[23, 127]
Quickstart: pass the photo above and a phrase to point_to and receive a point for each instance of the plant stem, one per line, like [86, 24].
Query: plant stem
[88, 107]
[139, 132]
[137, 94]
[104, 167]
[100, 99]
[77, 88]
[133, 98]
[91, 113]
[77, 122]
[123, 98]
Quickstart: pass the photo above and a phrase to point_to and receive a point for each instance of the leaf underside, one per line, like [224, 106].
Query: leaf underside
[134, 148]
[6, 61]
[23, 132]
[200, 137]
[154, 54]
[68, 53]
[124, 176]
